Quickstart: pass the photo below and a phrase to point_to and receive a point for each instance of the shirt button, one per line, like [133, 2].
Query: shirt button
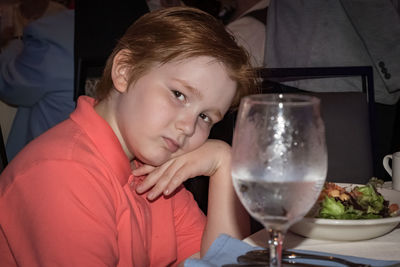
[387, 76]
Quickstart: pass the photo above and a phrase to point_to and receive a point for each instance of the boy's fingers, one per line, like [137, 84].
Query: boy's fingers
[163, 183]
[158, 189]
[152, 179]
[147, 183]
[143, 170]
[180, 175]
[172, 186]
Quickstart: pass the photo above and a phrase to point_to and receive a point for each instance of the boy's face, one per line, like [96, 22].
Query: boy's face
[170, 110]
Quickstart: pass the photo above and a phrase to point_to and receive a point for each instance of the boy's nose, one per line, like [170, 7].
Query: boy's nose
[186, 124]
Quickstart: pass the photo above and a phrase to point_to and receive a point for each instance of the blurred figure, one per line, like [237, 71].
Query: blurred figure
[36, 70]
[246, 19]
[158, 4]
[247, 23]
[212, 7]
[396, 4]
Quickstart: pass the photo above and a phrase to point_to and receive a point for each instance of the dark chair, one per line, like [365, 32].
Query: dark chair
[3, 155]
[348, 117]
[272, 76]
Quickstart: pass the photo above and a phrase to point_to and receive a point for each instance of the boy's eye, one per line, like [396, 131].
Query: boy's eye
[179, 95]
[205, 118]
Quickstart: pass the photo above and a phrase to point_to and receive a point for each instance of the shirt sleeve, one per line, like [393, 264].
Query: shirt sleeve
[55, 214]
[189, 222]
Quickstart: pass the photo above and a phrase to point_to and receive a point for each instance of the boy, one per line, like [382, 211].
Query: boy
[69, 198]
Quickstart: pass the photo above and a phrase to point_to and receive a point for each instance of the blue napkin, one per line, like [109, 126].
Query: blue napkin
[226, 249]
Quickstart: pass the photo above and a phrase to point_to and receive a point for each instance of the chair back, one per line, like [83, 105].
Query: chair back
[348, 118]
[348, 136]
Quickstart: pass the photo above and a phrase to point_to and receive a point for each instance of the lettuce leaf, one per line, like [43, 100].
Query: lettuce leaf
[368, 201]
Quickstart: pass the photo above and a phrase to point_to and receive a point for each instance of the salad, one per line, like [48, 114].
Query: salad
[362, 202]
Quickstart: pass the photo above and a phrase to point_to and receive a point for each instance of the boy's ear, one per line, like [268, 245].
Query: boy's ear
[119, 71]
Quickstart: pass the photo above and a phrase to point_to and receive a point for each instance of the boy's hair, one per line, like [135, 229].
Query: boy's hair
[179, 33]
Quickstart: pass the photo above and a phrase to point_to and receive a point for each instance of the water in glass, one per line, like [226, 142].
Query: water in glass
[279, 161]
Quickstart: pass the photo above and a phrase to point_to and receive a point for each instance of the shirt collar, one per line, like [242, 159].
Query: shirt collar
[100, 132]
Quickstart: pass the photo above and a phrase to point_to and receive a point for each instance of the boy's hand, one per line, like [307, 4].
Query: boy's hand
[205, 160]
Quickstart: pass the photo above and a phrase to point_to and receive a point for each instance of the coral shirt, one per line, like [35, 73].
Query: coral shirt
[68, 199]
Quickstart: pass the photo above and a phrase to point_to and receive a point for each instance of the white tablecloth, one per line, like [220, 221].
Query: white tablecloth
[386, 247]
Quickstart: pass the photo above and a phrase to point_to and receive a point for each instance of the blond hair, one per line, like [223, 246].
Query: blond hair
[175, 34]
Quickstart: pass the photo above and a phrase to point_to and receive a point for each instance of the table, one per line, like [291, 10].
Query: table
[386, 247]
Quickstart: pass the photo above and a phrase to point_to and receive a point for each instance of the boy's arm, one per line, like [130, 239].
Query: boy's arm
[213, 159]
[225, 212]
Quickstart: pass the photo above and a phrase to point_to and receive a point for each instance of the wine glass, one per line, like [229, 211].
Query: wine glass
[279, 161]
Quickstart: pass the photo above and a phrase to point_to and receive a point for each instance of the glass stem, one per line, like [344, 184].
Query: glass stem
[275, 242]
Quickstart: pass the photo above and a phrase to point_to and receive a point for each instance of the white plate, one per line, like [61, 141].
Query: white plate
[349, 230]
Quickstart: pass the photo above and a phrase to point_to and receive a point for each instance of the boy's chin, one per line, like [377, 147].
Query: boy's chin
[158, 159]
[155, 162]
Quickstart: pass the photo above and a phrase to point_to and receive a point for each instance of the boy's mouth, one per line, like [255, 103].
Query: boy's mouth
[172, 145]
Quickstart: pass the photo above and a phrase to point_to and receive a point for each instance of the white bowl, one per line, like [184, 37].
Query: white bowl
[349, 230]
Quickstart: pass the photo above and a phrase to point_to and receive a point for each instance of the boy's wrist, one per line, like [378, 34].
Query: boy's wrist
[223, 158]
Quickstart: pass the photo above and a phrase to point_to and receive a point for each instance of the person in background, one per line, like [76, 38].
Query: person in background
[246, 19]
[396, 4]
[210, 6]
[36, 70]
[104, 187]
[335, 33]
[247, 23]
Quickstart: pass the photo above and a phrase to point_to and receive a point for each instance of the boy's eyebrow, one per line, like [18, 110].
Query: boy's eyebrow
[192, 89]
